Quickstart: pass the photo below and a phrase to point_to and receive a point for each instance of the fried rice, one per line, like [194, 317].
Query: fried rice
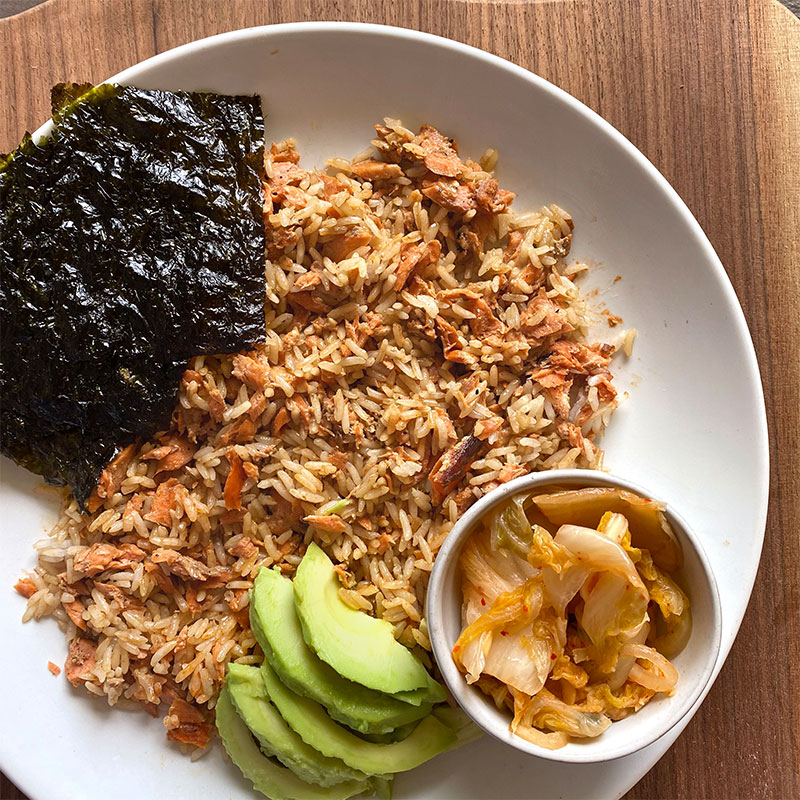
[424, 345]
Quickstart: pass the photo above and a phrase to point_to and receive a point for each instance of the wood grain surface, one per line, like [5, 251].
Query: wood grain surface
[709, 90]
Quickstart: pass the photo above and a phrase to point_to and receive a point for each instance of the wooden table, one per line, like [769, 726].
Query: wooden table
[709, 90]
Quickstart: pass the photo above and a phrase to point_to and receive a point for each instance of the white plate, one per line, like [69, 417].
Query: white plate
[694, 425]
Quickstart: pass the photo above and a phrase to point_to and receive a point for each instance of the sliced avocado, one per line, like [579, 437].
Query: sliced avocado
[433, 692]
[277, 628]
[382, 786]
[359, 647]
[429, 738]
[465, 729]
[266, 775]
[397, 735]
[249, 695]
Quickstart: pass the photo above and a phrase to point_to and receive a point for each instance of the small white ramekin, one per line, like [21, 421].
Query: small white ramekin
[695, 663]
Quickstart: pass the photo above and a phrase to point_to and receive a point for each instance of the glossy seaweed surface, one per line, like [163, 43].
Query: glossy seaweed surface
[130, 240]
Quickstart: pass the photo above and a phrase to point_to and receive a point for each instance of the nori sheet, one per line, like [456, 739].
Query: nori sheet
[131, 240]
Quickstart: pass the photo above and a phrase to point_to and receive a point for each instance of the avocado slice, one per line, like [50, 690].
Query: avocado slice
[433, 692]
[276, 626]
[428, 739]
[463, 727]
[359, 647]
[249, 695]
[267, 776]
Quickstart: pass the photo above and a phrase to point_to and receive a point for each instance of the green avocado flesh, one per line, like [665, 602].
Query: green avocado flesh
[359, 647]
[131, 239]
[432, 693]
[309, 719]
[277, 628]
[268, 777]
[248, 693]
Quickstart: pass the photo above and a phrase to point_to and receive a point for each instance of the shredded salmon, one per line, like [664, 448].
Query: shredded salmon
[446, 424]
[571, 434]
[340, 247]
[190, 595]
[80, 660]
[280, 421]
[584, 359]
[441, 153]
[75, 610]
[506, 474]
[513, 245]
[279, 239]
[236, 599]
[162, 581]
[331, 523]
[605, 389]
[165, 501]
[332, 187]
[338, 459]
[234, 482]
[157, 453]
[562, 246]
[459, 198]
[490, 197]
[385, 541]
[362, 331]
[279, 154]
[302, 408]
[192, 376]
[241, 431]
[307, 281]
[453, 344]
[258, 402]
[54, 668]
[186, 723]
[111, 478]
[100, 557]
[284, 173]
[182, 453]
[124, 601]
[244, 548]
[483, 323]
[543, 318]
[415, 257]
[451, 195]
[216, 402]
[186, 567]
[488, 429]
[253, 372]
[372, 170]
[511, 471]
[468, 241]
[26, 587]
[133, 506]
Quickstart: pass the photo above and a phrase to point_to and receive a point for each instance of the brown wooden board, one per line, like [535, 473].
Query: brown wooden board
[709, 90]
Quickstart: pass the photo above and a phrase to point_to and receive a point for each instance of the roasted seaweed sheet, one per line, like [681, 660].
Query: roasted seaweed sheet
[130, 240]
